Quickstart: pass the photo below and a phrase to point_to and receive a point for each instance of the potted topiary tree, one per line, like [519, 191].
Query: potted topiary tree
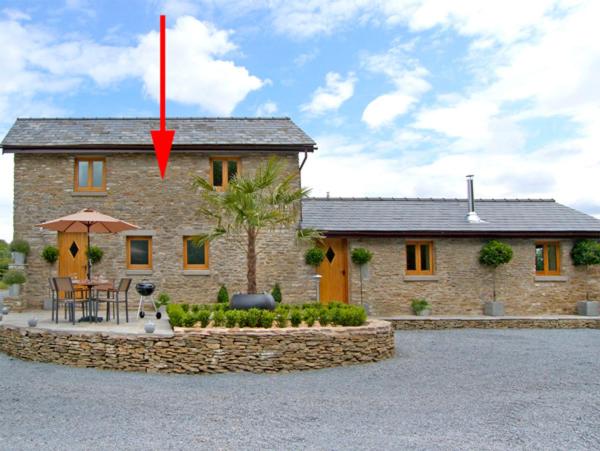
[420, 307]
[249, 205]
[50, 255]
[276, 293]
[94, 255]
[314, 257]
[223, 295]
[586, 253]
[493, 254]
[14, 279]
[361, 257]
[20, 250]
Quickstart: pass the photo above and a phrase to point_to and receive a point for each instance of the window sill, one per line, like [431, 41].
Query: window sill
[196, 272]
[89, 194]
[138, 272]
[421, 278]
[551, 278]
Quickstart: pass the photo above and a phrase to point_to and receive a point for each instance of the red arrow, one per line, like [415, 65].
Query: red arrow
[162, 139]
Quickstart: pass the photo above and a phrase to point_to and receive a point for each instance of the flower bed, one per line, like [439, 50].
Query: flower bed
[309, 315]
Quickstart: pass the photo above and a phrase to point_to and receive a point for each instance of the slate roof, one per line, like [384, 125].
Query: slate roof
[44, 133]
[444, 216]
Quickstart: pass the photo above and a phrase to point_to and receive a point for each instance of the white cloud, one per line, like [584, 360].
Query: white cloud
[268, 108]
[330, 97]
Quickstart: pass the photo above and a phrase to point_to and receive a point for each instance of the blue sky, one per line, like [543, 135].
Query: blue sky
[403, 97]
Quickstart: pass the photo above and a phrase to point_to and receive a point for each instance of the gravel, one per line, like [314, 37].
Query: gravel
[455, 389]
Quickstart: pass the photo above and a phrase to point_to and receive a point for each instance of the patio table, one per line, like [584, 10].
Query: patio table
[90, 284]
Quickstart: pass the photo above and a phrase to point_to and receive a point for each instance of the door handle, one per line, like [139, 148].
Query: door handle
[343, 272]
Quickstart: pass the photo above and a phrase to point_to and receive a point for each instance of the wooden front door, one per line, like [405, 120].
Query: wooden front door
[334, 270]
[72, 260]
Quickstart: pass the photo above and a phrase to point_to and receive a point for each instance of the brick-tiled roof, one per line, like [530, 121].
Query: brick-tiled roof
[125, 132]
[444, 216]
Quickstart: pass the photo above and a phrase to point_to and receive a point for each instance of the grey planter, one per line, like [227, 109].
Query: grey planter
[14, 290]
[247, 301]
[18, 258]
[588, 308]
[4, 294]
[32, 322]
[425, 312]
[149, 327]
[493, 309]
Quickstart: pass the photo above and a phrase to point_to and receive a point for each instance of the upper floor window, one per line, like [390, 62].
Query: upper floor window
[195, 256]
[419, 258]
[139, 252]
[90, 174]
[222, 170]
[547, 258]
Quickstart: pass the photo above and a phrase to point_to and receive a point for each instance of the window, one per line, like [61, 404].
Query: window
[547, 258]
[90, 174]
[419, 258]
[222, 170]
[139, 252]
[195, 256]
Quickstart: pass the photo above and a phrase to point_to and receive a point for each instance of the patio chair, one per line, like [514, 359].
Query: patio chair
[116, 296]
[67, 294]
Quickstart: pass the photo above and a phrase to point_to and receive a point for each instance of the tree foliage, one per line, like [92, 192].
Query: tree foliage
[95, 254]
[586, 253]
[495, 253]
[50, 254]
[361, 256]
[314, 256]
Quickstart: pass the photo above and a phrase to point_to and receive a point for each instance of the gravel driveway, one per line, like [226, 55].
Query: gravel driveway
[457, 389]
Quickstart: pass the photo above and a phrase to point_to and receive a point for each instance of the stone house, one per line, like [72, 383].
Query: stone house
[423, 248]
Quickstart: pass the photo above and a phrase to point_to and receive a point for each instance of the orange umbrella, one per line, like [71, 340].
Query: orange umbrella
[89, 221]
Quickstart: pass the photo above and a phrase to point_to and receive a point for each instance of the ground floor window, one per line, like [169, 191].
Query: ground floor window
[139, 252]
[419, 258]
[195, 256]
[547, 258]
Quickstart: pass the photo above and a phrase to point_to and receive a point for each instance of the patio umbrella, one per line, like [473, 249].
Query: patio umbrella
[89, 221]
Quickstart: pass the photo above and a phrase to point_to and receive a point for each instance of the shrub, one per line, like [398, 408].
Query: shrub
[281, 318]
[253, 317]
[231, 318]
[361, 256]
[296, 317]
[242, 318]
[185, 307]
[336, 316]
[276, 293]
[310, 316]
[266, 319]
[223, 295]
[586, 253]
[324, 317]
[419, 305]
[163, 299]
[95, 254]
[314, 256]
[189, 319]
[204, 317]
[218, 318]
[195, 308]
[50, 254]
[3, 286]
[14, 277]
[176, 314]
[21, 246]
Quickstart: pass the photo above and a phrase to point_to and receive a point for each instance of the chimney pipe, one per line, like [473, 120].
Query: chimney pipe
[472, 215]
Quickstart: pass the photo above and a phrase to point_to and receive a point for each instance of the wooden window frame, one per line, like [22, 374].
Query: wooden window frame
[225, 173]
[546, 271]
[419, 271]
[90, 187]
[131, 238]
[186, 265]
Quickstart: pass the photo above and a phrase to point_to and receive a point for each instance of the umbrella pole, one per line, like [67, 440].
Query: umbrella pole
[89, 262]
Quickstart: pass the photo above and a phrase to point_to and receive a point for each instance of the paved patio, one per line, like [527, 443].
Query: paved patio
[447, 390]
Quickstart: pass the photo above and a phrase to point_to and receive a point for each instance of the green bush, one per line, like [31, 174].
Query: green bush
[314, 256]
[586, 253]
[21, 246]
[195, 308]
[231, 318]
[204, 317]
[3, 286]
[296, 317]
[495, 253]
[253, 317]
[281, 318]
[324, 317]
[310, 316]
[50, 254]
[163, 299]
[243, 318]
[361, 256]
[223, 295]
[189, 319]
[419, 305]
[14, 277]
[176, 314]
[95, 254]
[276, 293]
[266, 319]
[185, 307]
[336, 316]
[218, 318]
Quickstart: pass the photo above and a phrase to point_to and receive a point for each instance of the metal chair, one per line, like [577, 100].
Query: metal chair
[66, 293]
[120, 295]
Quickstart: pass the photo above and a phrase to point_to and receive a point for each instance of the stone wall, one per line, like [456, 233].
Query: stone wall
[494, 323]
[206, 350]
[461, 284]
[166, 209]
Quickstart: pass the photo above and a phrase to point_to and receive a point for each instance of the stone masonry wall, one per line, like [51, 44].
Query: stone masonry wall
[461, 284]
[167, 209]
[206, 350]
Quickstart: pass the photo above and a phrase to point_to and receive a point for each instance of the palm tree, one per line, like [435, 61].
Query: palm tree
[267, 200]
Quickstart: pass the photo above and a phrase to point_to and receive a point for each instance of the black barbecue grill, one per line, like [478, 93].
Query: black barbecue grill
[146, 291]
